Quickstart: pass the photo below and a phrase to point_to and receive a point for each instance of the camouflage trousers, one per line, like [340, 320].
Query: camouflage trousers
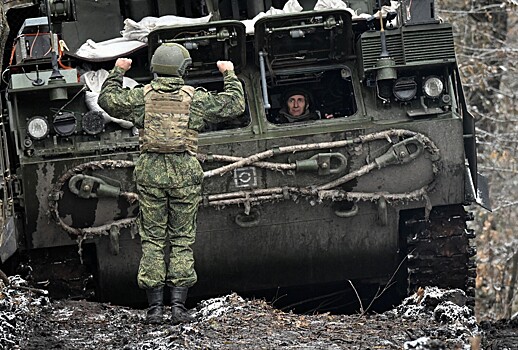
[167, 216]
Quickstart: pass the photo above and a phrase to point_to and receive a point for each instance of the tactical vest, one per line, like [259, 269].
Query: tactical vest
[166, 122]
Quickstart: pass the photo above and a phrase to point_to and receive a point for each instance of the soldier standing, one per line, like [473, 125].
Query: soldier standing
[167, 173]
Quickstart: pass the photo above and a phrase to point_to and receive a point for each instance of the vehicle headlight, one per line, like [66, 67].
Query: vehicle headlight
[433, 87]
[38, 127]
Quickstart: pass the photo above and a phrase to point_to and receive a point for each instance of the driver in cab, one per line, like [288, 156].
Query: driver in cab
[296, 107]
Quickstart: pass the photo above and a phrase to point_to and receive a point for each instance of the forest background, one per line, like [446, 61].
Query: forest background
[486, 37]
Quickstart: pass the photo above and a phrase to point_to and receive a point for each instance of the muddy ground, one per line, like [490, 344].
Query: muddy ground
[430, 319]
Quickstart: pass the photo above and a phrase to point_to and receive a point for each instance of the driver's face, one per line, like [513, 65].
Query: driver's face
[296, 105]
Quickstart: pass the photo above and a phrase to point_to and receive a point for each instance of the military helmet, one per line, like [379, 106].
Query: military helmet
[170, 59]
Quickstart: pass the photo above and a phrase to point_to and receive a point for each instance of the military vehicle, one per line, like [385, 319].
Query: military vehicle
[372, 193]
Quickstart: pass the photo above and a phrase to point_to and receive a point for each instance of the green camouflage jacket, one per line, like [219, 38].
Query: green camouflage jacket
[171, 170]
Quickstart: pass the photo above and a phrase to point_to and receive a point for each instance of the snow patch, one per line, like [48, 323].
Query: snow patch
[446, 307]
[16, 305]
[417, 344]
[217, 307]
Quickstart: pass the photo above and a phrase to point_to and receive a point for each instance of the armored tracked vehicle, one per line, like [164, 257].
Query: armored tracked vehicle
[373, 192]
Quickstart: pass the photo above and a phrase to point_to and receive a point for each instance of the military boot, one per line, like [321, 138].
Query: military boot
[178, 309]
[155, 298]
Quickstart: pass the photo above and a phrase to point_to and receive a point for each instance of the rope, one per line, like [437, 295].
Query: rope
[327, 191]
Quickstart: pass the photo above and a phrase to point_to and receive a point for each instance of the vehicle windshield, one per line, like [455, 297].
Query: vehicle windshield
[327, 95]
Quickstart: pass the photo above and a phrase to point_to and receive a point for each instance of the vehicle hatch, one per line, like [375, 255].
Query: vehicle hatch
[304, 39]
[207, 43]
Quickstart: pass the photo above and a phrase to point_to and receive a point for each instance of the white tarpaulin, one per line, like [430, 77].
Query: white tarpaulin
[333, 4]
[108, 49]
[139, 30]
[134, 34]
[94, 80]
[340, 5]
[134, 37]
[291, 6]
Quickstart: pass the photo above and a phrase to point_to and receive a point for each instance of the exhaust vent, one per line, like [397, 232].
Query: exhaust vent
[410, 46]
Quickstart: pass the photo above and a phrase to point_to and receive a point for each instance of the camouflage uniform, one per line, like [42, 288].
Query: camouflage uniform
[169, 184]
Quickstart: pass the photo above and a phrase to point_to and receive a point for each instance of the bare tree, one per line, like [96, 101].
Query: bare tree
[486, 38]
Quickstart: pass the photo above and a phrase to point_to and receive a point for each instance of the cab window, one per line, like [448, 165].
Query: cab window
[320, 96]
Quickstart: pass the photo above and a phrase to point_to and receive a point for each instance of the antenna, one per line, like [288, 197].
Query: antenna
[38, 81]
[386, 73]
[56, 74]
[56, 78]
[384, 51]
